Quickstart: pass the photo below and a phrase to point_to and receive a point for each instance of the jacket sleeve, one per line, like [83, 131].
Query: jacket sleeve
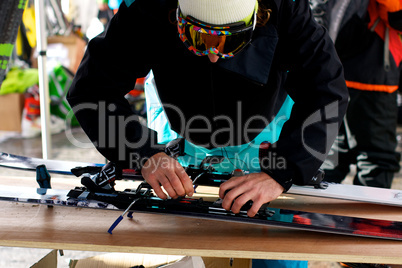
[112, 63]
[316, 83]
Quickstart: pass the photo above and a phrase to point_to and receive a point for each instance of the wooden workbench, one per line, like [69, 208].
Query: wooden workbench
[37, 226]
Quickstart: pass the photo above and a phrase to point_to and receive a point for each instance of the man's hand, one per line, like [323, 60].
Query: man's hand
[258, 187]
[164, 170]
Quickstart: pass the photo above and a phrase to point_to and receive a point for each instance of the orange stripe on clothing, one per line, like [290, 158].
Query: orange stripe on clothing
[369, 87]
[390, 5]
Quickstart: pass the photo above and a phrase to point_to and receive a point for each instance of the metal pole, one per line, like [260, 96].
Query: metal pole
[41, 46]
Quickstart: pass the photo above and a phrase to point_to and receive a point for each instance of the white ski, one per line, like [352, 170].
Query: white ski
[339, 191]
[352, 192]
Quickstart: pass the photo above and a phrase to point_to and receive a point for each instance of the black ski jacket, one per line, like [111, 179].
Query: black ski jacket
[291, 54]
[372, 58]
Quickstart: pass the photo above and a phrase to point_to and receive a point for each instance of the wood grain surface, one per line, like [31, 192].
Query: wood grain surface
[38, 226]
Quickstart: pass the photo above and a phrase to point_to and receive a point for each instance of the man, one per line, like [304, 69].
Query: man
[228, 76]
[257, 85]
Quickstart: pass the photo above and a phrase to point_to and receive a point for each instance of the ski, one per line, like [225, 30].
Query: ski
[53, 166]
[373, 195]
[206, 177]
[142, 200]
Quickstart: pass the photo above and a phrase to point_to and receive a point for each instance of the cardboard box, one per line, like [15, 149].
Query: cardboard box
[48, 261]
[124, 260]
[76, 48]
[11, 106]
[212, 262]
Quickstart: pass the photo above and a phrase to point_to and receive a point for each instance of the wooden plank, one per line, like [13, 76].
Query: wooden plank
[37, 226]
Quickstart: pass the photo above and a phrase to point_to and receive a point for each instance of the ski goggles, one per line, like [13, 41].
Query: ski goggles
[222, 40]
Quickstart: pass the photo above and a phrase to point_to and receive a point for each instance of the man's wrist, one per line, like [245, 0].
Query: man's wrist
[285, 181]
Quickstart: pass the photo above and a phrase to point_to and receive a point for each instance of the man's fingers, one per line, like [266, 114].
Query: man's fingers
[230, 197]
[227, 185]
[165, 181]
[176, 183]
[239, 202]
[186, 181]
[157, 189]
[162, 169]
[254, 208]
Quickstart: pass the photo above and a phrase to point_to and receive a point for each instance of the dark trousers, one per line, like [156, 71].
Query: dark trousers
[367, 138]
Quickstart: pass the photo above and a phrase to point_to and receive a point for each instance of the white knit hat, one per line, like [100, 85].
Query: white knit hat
[217, 11]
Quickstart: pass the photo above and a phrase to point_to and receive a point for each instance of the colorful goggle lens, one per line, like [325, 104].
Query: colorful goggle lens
[222, 40]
